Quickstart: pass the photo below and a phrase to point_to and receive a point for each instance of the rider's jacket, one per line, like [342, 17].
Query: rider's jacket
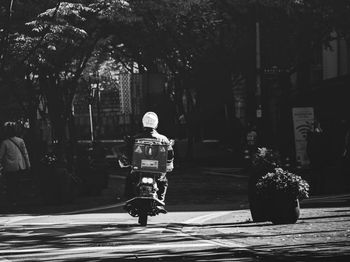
[152, 134]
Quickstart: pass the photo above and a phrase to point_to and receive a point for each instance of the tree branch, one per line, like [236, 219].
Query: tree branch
[46, 29]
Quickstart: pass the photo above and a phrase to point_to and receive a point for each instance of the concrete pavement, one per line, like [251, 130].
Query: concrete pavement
[321, 234]
[208, 220]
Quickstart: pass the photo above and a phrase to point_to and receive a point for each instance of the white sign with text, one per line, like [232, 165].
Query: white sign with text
[303, 118]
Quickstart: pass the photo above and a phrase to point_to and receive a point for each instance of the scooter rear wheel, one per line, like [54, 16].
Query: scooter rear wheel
[143, 219]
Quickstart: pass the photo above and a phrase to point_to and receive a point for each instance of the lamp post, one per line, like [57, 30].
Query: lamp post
[98, 88]
[258, 96]
[95, 92]
[91, 98]
[258, 63]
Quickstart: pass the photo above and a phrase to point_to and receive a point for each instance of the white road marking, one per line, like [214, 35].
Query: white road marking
[91, 249]
[223, 174]
[344, 196]
[190, 231]
[205, 218]
[224, 168]
[92, 209]
[329, 198]
[117, 176]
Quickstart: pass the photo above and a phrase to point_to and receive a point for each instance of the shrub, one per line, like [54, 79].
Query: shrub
[281, 183]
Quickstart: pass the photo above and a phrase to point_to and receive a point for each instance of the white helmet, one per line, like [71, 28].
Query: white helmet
[150, 119]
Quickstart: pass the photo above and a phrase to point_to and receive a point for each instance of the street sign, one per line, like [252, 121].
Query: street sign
[259, 113]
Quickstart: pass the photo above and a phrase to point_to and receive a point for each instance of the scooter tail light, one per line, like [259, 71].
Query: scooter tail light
[147, 180]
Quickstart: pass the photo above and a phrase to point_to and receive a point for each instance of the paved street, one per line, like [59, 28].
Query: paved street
[319, 234]
[106, 235]
[206, 222]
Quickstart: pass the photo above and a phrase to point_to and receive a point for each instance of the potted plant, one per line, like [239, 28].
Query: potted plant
[264, 160]
[282, 190]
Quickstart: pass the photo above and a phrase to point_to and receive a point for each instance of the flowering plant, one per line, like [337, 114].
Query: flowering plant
[266, 158]
[49, 159]
[281, 183]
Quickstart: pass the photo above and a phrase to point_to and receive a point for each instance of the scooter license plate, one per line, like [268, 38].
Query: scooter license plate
[146, 163]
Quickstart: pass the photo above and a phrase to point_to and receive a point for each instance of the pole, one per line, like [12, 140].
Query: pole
[91, 123]
[132, 99]
[98, 125]
[258, 64]
[259, 126]
[11, 9]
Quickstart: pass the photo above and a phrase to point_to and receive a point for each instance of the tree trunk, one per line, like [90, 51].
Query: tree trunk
[55, 99]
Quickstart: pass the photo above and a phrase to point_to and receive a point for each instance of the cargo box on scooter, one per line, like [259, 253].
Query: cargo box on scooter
[150, 155]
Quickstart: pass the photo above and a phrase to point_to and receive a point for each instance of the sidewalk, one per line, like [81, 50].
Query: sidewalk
[213, 178]
[320, 234]
[32, 201]
[186, 188]
[185, 177]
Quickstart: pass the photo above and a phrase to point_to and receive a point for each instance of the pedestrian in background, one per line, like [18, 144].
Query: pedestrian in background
[252, 139]
[317, 150]
[14, 159]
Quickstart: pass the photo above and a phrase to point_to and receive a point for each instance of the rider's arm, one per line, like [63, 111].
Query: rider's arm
[125, 152]
[170, 161]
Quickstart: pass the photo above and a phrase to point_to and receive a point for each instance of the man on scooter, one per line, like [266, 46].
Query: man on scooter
[150, 123]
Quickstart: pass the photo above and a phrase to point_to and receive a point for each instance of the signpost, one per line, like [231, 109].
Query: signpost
[303, 118]
[91, 123]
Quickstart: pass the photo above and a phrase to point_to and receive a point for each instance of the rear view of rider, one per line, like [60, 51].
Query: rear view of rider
[150, 123]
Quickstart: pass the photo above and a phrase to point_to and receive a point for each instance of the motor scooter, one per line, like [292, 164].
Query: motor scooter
[149, 163]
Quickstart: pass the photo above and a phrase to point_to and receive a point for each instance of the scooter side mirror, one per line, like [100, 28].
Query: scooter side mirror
[172, 142]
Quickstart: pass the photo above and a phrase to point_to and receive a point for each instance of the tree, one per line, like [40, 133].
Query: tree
[51, 58]
[198, 43]
[202, 43]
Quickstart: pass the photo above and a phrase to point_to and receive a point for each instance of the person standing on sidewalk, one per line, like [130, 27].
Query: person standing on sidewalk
[14, 159]
[318, 152]
[252, 139]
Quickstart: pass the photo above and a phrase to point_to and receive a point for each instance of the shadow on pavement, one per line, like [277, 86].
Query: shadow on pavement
[62, 241]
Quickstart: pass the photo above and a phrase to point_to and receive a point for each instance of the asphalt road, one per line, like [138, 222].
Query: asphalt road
[206, 222]
[108, 234]
[102, 236]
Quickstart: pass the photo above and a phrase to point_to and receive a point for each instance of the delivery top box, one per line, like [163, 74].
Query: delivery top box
[150, 155]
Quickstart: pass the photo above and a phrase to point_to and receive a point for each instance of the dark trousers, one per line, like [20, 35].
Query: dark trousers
[12, 182]
[162, 187]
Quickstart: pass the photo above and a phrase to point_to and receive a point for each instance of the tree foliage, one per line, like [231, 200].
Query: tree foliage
[62, 41]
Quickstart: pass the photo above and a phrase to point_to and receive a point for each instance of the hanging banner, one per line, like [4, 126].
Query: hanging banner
[303, 118]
